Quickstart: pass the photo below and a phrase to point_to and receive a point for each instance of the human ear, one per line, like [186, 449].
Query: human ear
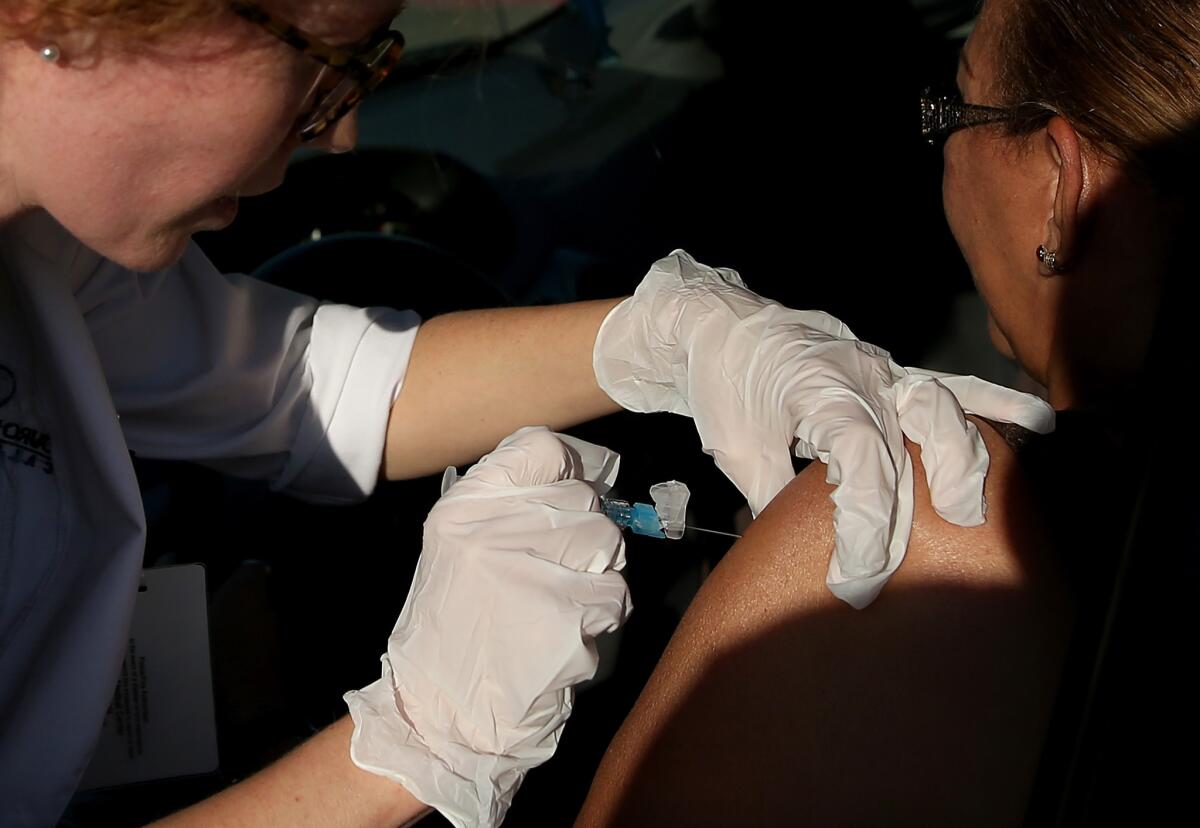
[1070, 170]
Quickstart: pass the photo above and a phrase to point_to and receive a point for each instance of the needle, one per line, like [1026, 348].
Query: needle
[713, 532]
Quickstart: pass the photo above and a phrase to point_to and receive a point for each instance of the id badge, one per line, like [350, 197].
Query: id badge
[161, 722]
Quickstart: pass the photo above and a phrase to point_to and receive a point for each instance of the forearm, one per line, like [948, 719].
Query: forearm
[315, 785]
[475, 377]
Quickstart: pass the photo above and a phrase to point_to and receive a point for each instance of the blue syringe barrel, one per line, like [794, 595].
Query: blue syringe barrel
[640, 518]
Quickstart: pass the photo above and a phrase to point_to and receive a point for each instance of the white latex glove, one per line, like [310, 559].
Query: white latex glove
[758, 377]
[518, 575]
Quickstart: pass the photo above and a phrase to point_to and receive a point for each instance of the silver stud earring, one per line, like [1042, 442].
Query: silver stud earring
[1049, 258]
[50, 53]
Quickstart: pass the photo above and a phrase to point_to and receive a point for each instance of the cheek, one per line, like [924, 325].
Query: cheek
[234, 144]
[242, 112]
[999, 339]
[975, 213]
[979, 209]
[957, 201]
[961, 176]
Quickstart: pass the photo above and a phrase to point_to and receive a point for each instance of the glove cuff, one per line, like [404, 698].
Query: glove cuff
[640, 358]
[468, 789]
[630, 367]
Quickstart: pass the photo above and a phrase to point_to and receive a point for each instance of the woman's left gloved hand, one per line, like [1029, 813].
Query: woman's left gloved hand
[759, 378]
[519, 573]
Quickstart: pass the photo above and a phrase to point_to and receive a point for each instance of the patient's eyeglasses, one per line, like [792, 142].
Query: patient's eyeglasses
[346, 76]
[943, 113]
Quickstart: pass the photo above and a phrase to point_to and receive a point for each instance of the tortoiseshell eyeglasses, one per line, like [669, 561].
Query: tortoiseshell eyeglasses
[346, 76]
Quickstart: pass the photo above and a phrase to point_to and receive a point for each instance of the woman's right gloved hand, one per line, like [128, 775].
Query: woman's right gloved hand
[519, 573]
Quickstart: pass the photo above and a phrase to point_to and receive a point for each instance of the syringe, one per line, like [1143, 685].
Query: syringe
[643, 519]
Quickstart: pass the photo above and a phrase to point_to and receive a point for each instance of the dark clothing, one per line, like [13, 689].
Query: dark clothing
[1125, 532]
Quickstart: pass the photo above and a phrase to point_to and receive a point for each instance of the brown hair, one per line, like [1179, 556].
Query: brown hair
[130, 21]
[1125, 73]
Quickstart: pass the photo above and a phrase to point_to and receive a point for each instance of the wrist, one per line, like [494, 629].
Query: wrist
[465, 786]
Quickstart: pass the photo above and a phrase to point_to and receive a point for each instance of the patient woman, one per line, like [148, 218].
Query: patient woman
[775, 704]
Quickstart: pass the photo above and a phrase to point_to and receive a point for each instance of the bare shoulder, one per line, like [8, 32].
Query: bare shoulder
[1012, 546]
[791, 542]
[928, 707]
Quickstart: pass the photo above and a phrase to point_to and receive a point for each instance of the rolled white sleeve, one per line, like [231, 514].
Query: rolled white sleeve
[250, 378]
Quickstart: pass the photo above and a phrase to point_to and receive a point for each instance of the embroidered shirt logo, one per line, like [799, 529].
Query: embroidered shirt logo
[25, 445]
[20, 443]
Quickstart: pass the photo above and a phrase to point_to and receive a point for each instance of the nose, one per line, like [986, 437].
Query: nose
[341, 136]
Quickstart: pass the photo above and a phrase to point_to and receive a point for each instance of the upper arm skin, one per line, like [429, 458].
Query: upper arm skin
[775, 703]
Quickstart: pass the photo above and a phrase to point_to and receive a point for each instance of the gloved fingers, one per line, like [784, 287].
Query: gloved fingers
[596, 604]
[863, 507]
[475, 503]
[589, 542]
[608, 604]
[600, 465]
[860, 588]
[680, 266]
[952, 452]
[827, 323]
[995, 402]
[864, 450]
[563, 496]
[532, 626]
[547, 643]
[759, 471]
[478, 500]
[575, 540]
[804, 449]
[531, 456]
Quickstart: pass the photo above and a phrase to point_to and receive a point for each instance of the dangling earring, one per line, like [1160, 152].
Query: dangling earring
[1050, 259]
[50, 53]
